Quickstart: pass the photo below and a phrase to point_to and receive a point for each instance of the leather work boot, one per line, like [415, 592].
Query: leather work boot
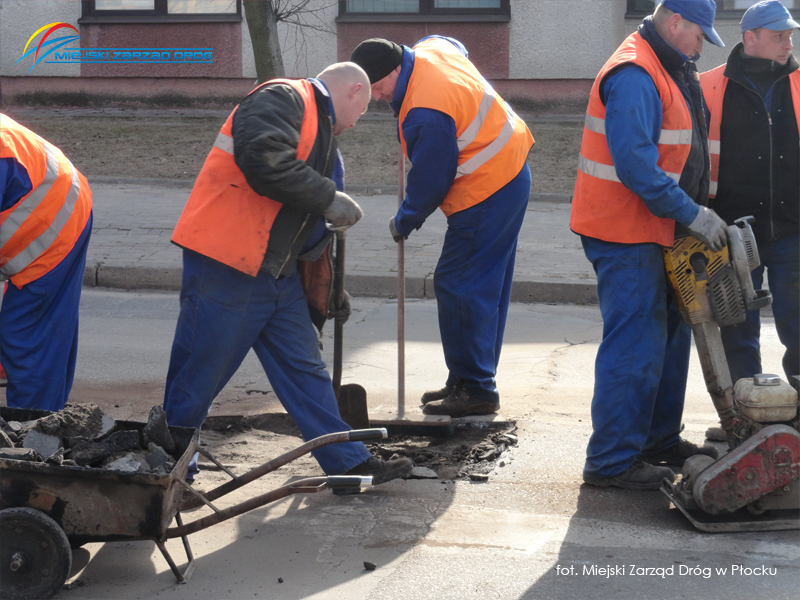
[381, 471]
[461, 404]
[640, 476]
[441, 394]
[716, 434]
[678, 454]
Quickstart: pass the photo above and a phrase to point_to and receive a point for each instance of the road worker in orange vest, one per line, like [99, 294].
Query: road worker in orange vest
[468, 153]
[754, 135]
[258, 209]
[45, 225]
[642, 179]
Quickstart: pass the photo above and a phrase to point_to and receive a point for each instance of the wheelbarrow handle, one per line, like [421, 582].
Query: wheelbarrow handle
[368, 435]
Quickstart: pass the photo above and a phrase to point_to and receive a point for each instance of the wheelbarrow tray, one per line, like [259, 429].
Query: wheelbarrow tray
[98, 505]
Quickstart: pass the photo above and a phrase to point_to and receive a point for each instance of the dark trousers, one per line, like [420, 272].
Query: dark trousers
[226, 313]
[642, 362]
[472, 283]
[781, 259]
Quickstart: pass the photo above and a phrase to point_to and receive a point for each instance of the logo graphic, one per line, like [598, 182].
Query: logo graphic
[62, 41]
[50, 46]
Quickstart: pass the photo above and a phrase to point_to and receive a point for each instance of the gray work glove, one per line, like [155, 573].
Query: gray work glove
[342, 312]
[342, 213]
[396, 235]
[709, 228]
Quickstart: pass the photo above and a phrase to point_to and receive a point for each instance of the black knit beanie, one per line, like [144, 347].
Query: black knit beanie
[378, 57]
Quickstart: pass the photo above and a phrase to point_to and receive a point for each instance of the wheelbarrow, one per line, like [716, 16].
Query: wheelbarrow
[46, 510]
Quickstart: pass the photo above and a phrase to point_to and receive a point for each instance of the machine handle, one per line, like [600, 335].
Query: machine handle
[762, 299]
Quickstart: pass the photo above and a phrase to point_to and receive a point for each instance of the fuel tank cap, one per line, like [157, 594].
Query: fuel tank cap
[766, 379]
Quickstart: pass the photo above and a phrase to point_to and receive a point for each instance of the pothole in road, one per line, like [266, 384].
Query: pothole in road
[471, 452]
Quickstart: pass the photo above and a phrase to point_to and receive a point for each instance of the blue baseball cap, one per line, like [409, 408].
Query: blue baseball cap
[769, 14]
[701, 12]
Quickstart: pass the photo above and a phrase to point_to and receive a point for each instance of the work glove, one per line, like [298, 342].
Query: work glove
[709, 228]
[396, 235]
[342, 312]
[342, 213]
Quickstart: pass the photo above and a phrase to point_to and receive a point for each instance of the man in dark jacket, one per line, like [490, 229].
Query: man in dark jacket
[754, 101]
[261, 204]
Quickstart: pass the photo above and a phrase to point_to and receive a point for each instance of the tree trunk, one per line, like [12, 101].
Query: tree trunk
[262, 23]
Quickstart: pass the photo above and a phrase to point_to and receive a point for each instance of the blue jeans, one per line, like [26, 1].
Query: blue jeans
[39, 332]
[472, 283]
[225, 313]
[642, 362]
[781, 258]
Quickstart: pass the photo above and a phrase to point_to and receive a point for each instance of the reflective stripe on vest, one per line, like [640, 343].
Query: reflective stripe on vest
[609, 172]
[224, 142]
[224, 218]
[35, 231]
[602, 207]
[493, 142]
[714, 84]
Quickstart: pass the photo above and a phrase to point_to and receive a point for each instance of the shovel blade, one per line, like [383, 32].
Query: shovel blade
[352, 401]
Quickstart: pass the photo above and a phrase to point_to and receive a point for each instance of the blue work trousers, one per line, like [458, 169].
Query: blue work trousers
[224, 313]
[472, 283]
[642, 362]
[39, 332]
[781, 258]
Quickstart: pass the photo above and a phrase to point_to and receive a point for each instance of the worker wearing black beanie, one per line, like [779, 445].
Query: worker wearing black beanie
[378, 57]
[468, 153]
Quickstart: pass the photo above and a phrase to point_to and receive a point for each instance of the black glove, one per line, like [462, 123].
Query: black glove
[396, 236]
[342, 312]
[342, 213]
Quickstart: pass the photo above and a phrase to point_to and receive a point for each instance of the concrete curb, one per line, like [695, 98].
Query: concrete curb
[370, 286]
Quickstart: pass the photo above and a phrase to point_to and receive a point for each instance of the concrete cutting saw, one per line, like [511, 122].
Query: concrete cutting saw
[755, 486]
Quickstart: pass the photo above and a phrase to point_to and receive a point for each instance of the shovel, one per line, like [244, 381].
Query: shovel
[352, 398]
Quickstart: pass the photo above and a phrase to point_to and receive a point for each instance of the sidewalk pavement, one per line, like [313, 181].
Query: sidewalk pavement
[134, 218]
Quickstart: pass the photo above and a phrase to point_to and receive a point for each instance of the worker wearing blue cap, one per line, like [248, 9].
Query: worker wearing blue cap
[754, 99]
[642, 173]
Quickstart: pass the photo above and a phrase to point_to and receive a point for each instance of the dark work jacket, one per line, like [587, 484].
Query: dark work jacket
[266, 131]
[759, 163]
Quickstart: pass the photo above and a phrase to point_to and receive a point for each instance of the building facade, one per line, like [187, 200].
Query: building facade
[545, 53]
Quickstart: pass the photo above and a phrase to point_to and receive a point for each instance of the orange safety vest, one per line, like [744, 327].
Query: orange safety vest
[224, 218]
[602, 207]
[714, 83]
[493, 141]
[42, 228]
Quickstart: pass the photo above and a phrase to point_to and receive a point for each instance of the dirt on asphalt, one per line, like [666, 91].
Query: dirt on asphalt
[175, 146]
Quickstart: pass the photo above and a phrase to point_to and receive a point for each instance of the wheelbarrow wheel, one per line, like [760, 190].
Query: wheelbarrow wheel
[35, 555]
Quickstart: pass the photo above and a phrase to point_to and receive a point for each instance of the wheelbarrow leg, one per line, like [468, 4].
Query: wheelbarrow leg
[182, 577]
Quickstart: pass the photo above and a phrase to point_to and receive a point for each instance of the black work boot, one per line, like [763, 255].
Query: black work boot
[380, 470]
[678, 454]
[640, 476]
[433, 395]
[461, 404]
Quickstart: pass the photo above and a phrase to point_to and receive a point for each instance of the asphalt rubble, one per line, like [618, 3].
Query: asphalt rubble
[82, 435]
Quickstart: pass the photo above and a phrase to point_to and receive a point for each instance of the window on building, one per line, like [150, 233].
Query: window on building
[425, 9]
[96, 11]
[725, 8]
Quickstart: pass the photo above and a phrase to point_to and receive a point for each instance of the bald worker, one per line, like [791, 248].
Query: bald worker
[265, 200]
